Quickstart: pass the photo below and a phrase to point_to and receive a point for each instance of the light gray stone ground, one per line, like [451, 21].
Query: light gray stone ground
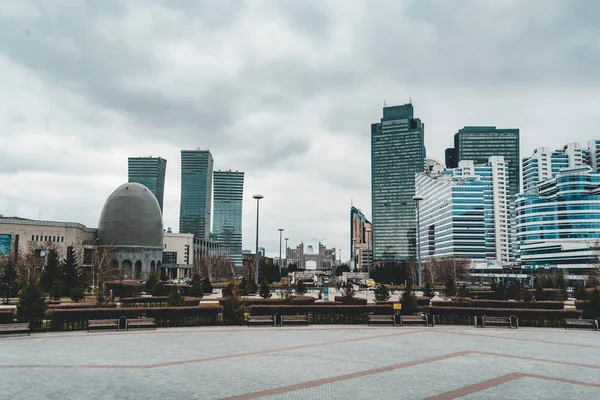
[325, 362]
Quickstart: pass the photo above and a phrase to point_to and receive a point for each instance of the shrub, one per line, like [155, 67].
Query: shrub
[160, 289]
[348, 294]
[540, 305]
[123, 288]
[77, 294]
[265, 290]
[32, 305]
[450, 287]
[408, 300]
[56, 289]
[175, 298]
[527, 317]
[354, 300]
[300, 287]
[207, 286]
[151, 283]
[382, 293]
[233, 308]
[591, 309]
[428, 290]
[196, 286]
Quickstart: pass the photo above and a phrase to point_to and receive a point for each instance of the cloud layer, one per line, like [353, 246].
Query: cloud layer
[283, 90]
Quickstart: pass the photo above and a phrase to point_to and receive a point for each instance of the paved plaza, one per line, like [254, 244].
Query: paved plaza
[313, 362]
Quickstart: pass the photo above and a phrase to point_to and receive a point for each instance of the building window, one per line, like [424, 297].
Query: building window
[32, 237]
[45, 238]
[62, 239]
[169, 258]
[37, 238]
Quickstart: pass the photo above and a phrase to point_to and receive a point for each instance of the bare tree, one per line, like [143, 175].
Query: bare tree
[412, 271]
[105, 266]
[431, 269]
[215, 268]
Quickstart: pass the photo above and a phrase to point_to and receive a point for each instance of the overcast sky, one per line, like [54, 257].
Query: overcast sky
[282, 90]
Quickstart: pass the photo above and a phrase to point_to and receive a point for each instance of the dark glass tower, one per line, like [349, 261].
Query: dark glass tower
[150, 172]
[397, 154]
[227, 213]
[196, 192]
[479, 143]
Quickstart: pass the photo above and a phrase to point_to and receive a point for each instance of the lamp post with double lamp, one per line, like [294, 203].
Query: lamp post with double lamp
[257, 197]
[279, 262]
[418, 199]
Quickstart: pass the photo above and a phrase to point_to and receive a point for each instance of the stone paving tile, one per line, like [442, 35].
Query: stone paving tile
[325, 352]
[530, 388]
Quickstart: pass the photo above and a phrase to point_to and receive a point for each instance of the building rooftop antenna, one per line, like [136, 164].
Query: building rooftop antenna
[409, 100]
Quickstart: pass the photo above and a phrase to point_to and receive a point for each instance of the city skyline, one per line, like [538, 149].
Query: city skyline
[80, 101]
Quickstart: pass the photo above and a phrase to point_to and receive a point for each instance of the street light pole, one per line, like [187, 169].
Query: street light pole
[279, 262]
[417, 199]
[286, 252]
[368, 254]
[257, 197]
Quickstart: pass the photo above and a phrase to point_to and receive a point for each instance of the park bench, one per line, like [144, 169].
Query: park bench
[103, 324]
[382, 319]
[505, 321]
[15, 328]
[261, 319]
[141, 323]
[298, 319]
[414, 319]
[581, 323]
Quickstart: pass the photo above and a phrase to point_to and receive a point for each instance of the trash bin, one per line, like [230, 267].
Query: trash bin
[122, 324]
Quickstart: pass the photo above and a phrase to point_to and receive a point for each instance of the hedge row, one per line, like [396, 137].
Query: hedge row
[156, 301]
[70, 306]
[355, 300]
[527, 317]
[165, 316]
[326, 314]
[538, 305]
[250, 301]
[546, 294]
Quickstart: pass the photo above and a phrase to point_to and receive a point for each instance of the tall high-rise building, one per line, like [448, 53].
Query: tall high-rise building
[150, 172]
[361, 240]
[465, 212]
[545, 164]
[397, 154]
[196, 192]
[478, 143]
[227, 213]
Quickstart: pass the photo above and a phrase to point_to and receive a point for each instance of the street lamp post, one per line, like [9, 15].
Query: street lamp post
[286, 252]
[279, 262]
[368, 254]
[97, 259]
[257, 197]
[417, 199]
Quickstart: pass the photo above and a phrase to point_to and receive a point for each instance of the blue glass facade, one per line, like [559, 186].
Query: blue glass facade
[464, 212]
[196, 192]
[560, 224]
[397, 154]
[150, 172]
[227, 213]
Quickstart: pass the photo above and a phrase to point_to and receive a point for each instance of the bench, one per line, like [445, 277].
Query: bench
[507, 321]
[382, 319]
[295, 319]
[15, 328]
[581, 323]
[103, 324]
[141, 323]
[414, 319]
[261, 319]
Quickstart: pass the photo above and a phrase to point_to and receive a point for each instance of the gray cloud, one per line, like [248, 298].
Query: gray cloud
[283, 90]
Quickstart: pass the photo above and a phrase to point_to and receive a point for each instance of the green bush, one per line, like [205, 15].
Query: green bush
[408, 300]
[32, 305]
[77, 294]
[175, 298]
[382, 293]
[265, 290]
[233, 307]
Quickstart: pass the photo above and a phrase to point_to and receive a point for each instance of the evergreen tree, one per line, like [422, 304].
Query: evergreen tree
[51, 271]
[207, 286]
[382, 293]
[32, 305]
[348, 293]
[151, 282]
[251, 287]
[163, 275]
[160, 289]
[196, 289]
[175, 298]
[450, 288]
[72, 276]
[56, 289]
[408, 300]
[463, 291]
[9, 280]
[77, 294]
[265, 290]
[428, 290]
[560, 280]
[300, 288]
[233, 308]
[243, 286]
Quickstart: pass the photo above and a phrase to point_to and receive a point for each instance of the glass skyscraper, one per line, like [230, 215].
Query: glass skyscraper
[196, 192]
[465, 212]
[397, 154]
[478, 143]
[227, 214]
[545, 164]
[150, 172]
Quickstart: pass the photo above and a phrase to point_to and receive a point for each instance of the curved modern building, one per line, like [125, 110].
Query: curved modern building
[559, 226]
[131, 221]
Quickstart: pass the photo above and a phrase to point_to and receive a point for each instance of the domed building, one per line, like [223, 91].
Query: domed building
[131, 221]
